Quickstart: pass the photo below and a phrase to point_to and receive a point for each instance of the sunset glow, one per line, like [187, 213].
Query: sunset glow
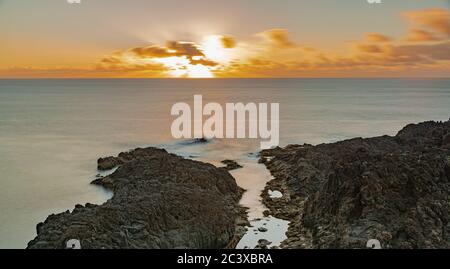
[410, 41]
[198, 62]
[213, 47]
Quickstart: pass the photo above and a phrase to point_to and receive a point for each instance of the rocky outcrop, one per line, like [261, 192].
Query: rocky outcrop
[231, 165]
[160, 201]
[263, 244]
[392, 189]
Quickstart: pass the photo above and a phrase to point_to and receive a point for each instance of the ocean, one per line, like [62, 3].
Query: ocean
[53, 131]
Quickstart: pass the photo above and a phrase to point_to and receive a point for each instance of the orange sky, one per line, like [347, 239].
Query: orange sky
[420, 49]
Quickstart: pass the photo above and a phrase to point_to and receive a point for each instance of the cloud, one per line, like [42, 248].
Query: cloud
[377, 38]
[228, 42]
[420, 35]
[152, 51]
[188, 49]
[175, 59]
[98, 71]
[118, 64]
[278, 37]
[204, 62]
[374, 55]
[425, 47]
[422, 53]
[435, 19]
[369, 48]
[172, 49]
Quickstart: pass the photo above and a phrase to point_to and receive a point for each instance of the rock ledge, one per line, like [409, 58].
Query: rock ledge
[392, 189]
[161, 201]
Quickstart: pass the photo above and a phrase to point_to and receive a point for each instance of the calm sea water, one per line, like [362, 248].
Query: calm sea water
[53, 131]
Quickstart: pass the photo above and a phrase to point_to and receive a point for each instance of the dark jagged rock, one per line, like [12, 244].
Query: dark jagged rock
[263, 244]
[201, 140]
[160, 201]
[231, 165]
[262, 229]
[392, 189]
[108, 163]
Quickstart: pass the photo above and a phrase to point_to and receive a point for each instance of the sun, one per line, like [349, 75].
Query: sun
[195, 60]
[199, 71]
[181, 67]
[213, 48]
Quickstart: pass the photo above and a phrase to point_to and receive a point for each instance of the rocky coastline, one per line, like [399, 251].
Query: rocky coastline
[392, 189]
[395, 190]
[160, 201]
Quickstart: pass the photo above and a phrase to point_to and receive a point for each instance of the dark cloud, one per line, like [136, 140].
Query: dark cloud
[187, 49]
[111, 60]
[173, 48]
[152, 52]
[204, 62]
[228, 42]
[279, 37]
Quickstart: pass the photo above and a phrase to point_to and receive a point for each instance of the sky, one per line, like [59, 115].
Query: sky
[220, 39]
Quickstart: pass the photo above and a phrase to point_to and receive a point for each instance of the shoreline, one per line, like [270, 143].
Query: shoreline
[336, 195]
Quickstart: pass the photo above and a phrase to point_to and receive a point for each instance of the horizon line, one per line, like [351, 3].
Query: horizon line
[164, 78]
